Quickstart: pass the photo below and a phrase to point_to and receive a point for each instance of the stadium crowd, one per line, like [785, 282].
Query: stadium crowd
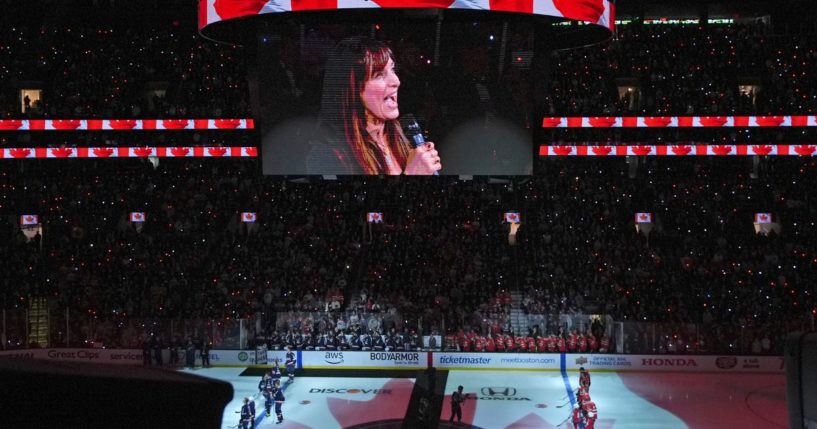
[440, 265]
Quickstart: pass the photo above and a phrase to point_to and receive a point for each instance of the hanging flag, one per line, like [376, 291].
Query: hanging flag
[137, 216]
[763, 218]
[248, 217]
[643, 218]
[28, 219]
[512, 217]
[374, 217]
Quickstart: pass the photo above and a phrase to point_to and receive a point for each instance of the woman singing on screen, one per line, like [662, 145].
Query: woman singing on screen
[359, 130]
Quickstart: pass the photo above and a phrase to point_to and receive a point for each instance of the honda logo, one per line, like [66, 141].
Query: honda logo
[498, 391]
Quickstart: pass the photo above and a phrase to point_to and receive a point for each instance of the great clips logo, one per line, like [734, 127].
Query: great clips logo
[333, 358]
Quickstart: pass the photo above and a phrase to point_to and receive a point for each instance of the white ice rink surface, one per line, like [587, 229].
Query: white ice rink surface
[527, 399]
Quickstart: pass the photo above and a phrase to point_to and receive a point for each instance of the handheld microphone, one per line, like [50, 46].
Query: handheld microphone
[413, 131]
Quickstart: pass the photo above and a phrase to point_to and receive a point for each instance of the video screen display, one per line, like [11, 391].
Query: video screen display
[406, 93]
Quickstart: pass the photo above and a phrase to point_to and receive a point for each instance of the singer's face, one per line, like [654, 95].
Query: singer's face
[379, 93]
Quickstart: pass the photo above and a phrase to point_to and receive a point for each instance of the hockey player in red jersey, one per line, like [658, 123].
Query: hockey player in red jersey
[542, 344]
[531, 344]
[582, 343]
[583, 394]
[578, 415]
[584, 378]
[604, 344]
[590, 413]
[521, 343]
[490, 345]
[572, 342]
[592, 344]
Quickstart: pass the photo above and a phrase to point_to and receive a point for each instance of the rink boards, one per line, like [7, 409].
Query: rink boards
[442, 360]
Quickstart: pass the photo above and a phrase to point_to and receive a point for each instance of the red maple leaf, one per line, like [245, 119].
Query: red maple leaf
[10, 124]
[657, 121]
[122, 124]
[62, 152]
[762, 150]
[804, 150]
[180, 151]
[643, 217]
[175, 124]
[349, 413]
[414, 3]
[137, 216]
[582, 10]
[65, 124]
[562, 150]
[763, 217]
[601, 150]
[721, 150]
[143, 151]
[20, 153]
[551, 122]
[227, 9]
[769, 121]
[29, 219]
[602, 122]
[216, 151]
[103, 152]
[251, 151]
[713, 121]
[227, 123]
[681, 150]
[642, 150]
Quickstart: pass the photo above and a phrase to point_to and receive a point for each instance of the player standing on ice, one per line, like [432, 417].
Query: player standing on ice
[590, 413]
[265, 387]
[246, 415]
[578, 415]
[278, 397]
[275, 371]
[584, 378]
[290, 363]
[456, 405]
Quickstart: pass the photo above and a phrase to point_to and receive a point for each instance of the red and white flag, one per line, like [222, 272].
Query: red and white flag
[763, 218]
[643, 218]
[512, 217]
[248, 217]
[374, 217]
[28, 219]
[137, 216]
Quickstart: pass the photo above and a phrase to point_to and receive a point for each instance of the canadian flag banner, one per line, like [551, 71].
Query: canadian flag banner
[643, 218]
[374, 217]
[137, 216]
[28, 219]
[763, 218]
[124, 124]
[248, 217]
[686, 149]
[512, 217]
[680, 121]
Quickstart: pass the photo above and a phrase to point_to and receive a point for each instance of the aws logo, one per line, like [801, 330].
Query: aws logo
[333, 358]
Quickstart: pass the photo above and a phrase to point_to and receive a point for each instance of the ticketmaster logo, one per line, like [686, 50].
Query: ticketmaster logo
[465, 360]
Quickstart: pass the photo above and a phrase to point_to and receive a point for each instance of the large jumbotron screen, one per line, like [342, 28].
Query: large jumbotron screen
[418, 92]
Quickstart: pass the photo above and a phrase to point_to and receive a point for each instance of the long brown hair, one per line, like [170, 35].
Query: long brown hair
[353, 63]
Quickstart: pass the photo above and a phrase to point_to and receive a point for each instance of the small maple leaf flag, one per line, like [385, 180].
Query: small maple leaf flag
[512, 217]
[374, 217]
[28, 219]
[248, 217]
[763, 218]
[643, 218]
[137, 216]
